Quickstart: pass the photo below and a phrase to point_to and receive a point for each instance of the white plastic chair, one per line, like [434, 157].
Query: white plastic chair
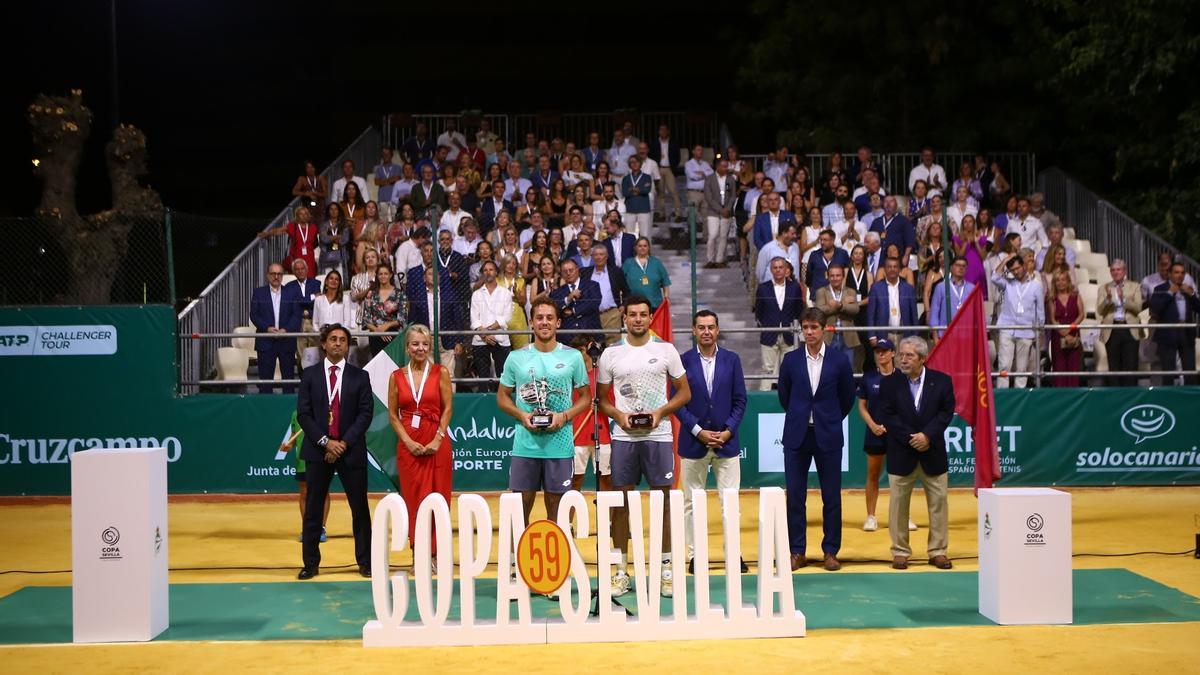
[232, 363]
[245, 344]
[1087, 293]
[1081, 246]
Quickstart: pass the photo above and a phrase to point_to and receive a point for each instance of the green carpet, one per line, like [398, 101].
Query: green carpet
[337, 610]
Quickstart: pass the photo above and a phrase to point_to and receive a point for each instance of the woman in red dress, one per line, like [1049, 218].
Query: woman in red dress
[420, 403]
[302, 239]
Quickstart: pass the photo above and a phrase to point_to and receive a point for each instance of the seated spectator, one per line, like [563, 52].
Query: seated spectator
[645, 275]
[467, 242]
[1054, 234]
[777, 302]
[453, 140]
[1175, 301]
[491, 310]
[452, 218]
[613, 289]
[783, 246]
[516, 186]
[494, 204]
[921, 203]
[929, 173]
[339, 185]
[820, 260]
[334, 237]
[311, 188]
[578, 300]
[892, 303]
[484, 253]
[1161, 276]
[1037, 207]
[427, 195]
[849, 230]
[966, 179]
[418, 147]
[906, 273]
[963, 205]
[302, 238]
[1064, 306]
[607, 202]
[330, 306]
[383, 310]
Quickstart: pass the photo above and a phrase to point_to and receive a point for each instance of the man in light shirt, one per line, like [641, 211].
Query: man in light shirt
[835, 211]
[933, 174]
[849, 229]
[619, 154]
[339, 185]
[491, 310]
[1024, 306]
[959, 289]
[453, 216]
[783, 246]
[613, 290]
[775, 166]
[515, 186]
[609, 202]
[469, 240]
[720, 193]
[1033, 233]
[485, 138]
[696, 170]
[453, 139]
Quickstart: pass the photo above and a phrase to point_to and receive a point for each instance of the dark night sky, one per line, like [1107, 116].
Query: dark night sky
[233, 95]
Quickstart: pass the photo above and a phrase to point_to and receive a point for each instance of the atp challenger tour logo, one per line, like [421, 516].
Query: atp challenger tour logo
[58, 340]
[1143, 423]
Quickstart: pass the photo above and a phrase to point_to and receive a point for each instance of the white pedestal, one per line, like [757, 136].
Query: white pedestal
[119, 544]
[1025, 555]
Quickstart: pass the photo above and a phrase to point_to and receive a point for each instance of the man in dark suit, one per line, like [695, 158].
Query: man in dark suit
[306, 289]
[664, 151]
[917, 406]
[613, 289]
[816, 390]
[894, 228]
[766, 223]
[543, 179]
[620, 244]
[577, 299]
[777, 304]
[820, 260]
[450, 314]
[427, 194]
[710, 420]
[1175, 301]
[334, 409]
[492, 206]
[892, 302]
[275, 309]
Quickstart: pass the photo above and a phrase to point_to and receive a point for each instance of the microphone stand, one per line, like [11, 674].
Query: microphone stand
[596, 470]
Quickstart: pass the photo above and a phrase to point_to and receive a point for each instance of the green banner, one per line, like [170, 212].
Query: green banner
[79, 378]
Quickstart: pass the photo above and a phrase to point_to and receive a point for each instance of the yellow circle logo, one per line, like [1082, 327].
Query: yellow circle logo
[544, 557]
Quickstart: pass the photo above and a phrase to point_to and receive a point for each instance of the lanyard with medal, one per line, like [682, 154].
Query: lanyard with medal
[1020, 297]
[303, 231]
[645, 273]
[417, 392]
[958, 295]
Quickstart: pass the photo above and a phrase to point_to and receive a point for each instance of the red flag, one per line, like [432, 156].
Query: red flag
[962, 353]
[660, 327]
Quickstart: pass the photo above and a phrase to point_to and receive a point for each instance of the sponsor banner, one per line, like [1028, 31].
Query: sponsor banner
[58, 340]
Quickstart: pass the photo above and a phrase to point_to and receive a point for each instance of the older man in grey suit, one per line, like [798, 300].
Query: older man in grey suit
[720, 194]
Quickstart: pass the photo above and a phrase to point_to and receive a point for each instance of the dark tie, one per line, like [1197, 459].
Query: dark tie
[335, 406]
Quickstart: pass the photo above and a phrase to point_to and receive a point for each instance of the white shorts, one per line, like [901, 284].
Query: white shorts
[583, 453]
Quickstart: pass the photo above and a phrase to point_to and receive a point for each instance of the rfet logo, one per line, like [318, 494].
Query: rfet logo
[1147, 421]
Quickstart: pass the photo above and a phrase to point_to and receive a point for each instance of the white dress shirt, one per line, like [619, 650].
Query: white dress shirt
[815, 364]
[779, 292]
[893, 291]
[929, 174]
[341, 376]
[488, 307]
[276, 298]
[455, 141]
[339, 186]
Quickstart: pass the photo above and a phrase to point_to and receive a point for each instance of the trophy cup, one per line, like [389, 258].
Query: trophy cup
[536, 392]
[639, 418]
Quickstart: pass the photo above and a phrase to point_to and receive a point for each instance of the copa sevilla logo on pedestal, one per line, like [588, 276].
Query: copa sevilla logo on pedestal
[547, 556]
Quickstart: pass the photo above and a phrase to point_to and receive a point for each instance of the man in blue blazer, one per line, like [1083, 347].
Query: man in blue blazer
[766, 224]
[620, 244]
[1175, 301]
[777, 304]
[710, 420]
[892, 302]
[490, 207]
[578, 300]
[275, 309]
[819, 261]
[812, 430]
[334, 409]
[916, 407]
[306, 289]
[894, 228]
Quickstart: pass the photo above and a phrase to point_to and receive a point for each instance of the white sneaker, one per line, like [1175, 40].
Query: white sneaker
[870, 524]
[668, 583]
[912, 527]
[620, 584]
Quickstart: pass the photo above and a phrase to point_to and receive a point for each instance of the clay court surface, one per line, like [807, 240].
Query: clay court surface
[1136, 613]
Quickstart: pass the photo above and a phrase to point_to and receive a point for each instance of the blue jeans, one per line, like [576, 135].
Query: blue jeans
[829, 474]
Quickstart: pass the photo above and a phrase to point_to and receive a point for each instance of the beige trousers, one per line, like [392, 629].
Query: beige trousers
[771, 357]
[728, 472]
[939, 511]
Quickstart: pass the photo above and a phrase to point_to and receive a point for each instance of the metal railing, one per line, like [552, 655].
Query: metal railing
[688, 128]
[1035, 376]
[1106, 227]
[225, 303]
[1019, 167]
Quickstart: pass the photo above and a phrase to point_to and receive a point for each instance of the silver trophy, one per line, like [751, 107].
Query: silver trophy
[536, 393]
[639, 418]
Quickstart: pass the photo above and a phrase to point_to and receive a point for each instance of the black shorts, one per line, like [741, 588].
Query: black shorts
[876, 450]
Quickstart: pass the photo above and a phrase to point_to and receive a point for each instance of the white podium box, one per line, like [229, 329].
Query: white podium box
[119, 544]
[1025, 555]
